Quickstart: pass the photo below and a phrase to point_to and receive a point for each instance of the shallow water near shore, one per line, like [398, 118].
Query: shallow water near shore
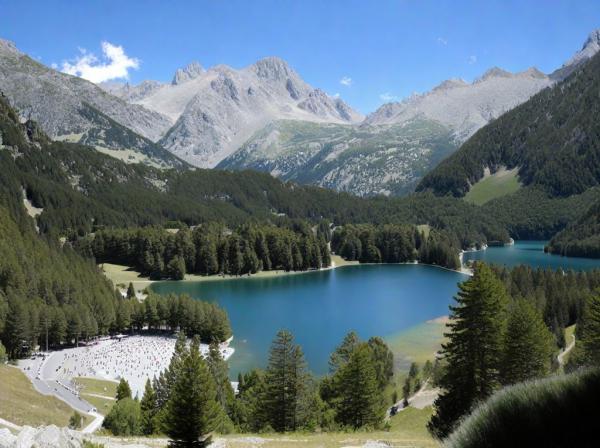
[319, 308]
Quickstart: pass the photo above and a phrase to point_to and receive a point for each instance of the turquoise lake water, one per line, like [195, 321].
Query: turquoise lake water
[532, 254]
[319, 308]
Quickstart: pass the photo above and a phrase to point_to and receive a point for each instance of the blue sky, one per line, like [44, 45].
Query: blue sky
[388, 49]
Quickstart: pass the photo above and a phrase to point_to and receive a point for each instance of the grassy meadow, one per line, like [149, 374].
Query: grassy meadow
[22, 405]
[493, 186]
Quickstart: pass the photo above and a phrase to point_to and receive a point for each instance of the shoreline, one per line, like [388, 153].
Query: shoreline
[123, 275]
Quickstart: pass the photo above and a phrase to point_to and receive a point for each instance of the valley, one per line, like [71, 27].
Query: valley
[338, 226]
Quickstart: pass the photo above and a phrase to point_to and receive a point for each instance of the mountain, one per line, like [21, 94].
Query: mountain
[552, 139]
[390, 151]
[216, 110]
[396, 145]
[73, 109]
[465, 107]
[364, 160]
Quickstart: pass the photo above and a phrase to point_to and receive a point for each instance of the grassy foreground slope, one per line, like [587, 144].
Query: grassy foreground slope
[554, 412]
[22, 405]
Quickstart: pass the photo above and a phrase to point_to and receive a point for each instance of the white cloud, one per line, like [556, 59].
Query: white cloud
[115, 64]
[336, 95]
[472, 59]
[387, 97]
[442, 41]
[346, 81]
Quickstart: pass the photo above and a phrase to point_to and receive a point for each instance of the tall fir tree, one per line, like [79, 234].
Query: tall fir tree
[149, 410]
[360, 400]
[123, 390]
[473, 352]
[287, 384]
[192, 410]
[528, 345]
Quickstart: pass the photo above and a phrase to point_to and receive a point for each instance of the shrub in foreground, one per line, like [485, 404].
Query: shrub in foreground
[554, 412]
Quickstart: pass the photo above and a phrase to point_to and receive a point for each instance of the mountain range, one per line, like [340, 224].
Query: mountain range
[265, 117]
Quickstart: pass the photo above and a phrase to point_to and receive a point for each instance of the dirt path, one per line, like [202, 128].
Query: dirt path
[568, 348]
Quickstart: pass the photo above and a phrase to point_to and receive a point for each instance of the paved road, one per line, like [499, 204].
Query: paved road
[43, 375]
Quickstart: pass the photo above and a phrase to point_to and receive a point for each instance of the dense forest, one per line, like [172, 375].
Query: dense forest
[580, 239]
[210, 249]
[553, 139]
[390, 243]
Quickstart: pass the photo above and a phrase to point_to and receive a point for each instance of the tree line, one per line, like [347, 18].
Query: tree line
[210, 249]
[395, 243]
[193, 397]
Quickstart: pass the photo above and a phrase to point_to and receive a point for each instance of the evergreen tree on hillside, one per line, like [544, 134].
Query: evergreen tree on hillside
[192, 410]
[130, 291]
[287, 384]
[360, 401]
[528, 345]
[218, 369]
[591, 331]
[123, 390]
[148, 409]
[342, 353]
[474, 350]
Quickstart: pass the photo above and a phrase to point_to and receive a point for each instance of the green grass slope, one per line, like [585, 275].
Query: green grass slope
[492, 186]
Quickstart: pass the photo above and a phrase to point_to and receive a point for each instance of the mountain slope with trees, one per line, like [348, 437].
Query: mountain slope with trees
[580, 239]
[553, 139]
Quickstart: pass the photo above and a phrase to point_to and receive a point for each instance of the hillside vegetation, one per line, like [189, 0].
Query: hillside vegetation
[553, 412]
[581, 239]
[492, 186]
[553, 139]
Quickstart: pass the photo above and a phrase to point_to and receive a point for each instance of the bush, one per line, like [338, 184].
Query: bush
[125, 418]
[76, 421]
[558, 412]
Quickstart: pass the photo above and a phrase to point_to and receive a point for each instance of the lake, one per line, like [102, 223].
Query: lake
[532, 254]
[319, 308]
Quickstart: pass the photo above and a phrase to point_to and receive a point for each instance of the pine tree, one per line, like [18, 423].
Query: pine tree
[219, 371]
[342, 353]
[360, 402]
[528, 345]
[286, 384]
[123, 390]
[591, 331]
[130, 291]
[148, 409]
[192, 409]
[474, 350]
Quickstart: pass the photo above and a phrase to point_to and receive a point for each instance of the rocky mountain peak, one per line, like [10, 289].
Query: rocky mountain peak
[450, 84]
[7, 46]
[273, 68]
[532, 72]
[590, 47]
[494, 72]
[187, 73]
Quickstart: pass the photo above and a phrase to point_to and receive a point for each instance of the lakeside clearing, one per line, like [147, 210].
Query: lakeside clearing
[123, 275]
[21, 404]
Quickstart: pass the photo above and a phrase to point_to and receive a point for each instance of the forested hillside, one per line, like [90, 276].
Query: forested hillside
[554, 140]
[582, 238]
